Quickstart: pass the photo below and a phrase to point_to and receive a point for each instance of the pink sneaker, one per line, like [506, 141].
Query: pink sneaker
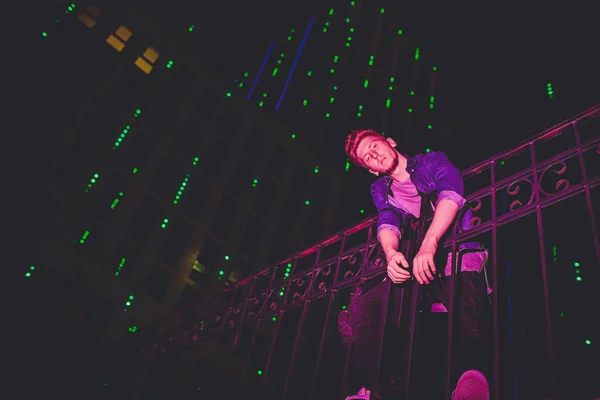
[363, 394]
[472, 385]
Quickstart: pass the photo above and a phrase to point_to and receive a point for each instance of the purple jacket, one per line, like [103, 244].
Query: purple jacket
[432, 172]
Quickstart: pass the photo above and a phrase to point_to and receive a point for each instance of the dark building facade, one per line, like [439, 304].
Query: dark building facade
[350, 65]
[159, 182]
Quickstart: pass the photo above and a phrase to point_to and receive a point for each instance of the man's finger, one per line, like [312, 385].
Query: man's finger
[417, 270]
[429, 267]
[404, 262]
[396, 273]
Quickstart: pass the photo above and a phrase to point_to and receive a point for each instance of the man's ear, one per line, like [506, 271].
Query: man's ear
[374, 172]
[391, 141]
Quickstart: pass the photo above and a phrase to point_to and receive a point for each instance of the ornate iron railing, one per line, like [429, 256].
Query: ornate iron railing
[250, 317]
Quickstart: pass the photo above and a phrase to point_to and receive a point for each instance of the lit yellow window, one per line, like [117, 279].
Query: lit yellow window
[119, 38]
[147, 60]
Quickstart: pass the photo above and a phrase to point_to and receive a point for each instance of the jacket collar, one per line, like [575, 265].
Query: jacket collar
[410, 163]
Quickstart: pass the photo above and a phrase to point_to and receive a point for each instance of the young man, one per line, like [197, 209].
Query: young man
[404, 181]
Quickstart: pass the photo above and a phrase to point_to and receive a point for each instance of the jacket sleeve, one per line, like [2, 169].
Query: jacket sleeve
[446, 177]
[388, 216]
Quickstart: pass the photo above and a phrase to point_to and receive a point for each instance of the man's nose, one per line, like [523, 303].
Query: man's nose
[374, 155]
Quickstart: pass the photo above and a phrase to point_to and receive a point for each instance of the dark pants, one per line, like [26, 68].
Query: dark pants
[470, 349]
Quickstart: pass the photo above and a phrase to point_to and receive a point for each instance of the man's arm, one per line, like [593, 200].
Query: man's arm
[389, 240]
[449, 185]
[443, 216]
[389, 222]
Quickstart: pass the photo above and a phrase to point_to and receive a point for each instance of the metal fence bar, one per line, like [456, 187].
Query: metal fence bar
[381, 330]
[295, 348]
[495, 321]
[540, 227]
[453, 287]
[588, 195]
[321, 344]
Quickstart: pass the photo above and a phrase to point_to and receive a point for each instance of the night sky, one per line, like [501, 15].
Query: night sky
[488, 56]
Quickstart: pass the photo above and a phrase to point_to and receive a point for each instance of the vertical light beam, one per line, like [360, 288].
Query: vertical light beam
[260, 71]
[294, 65]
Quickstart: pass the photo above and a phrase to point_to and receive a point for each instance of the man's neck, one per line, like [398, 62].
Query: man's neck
[399, 174]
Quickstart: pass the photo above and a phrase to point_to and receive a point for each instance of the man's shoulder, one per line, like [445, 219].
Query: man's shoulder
[431, 158]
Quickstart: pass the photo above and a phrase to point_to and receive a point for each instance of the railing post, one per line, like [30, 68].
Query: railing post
[588, 195]
[410, 245]
[549, 337]
[295, 348]
[495, 327]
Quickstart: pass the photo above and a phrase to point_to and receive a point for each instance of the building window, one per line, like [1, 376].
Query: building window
[159, 120]
[168, 178]
[118, 39]
[188, 140]
[256, 142]
[300, 178]
[225, 217]
[122, 261]
[157, 283]
[279, 249]
[229, 122]
[113, 192]
[181, 82]
[265, 197]
[278, 164]
[290, 212]
[214, 156]
[89, 17]
[209, 255]
[133, 157]
[190, 296]
[312, 230]
[192, 202]
[147, 60]
[147, 219]
[72, 170]
[243, 180]
[206, 103]
[178, 236]
[253, 238]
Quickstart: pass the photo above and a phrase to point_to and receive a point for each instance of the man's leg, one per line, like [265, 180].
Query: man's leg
[471, 351]
[366, 314]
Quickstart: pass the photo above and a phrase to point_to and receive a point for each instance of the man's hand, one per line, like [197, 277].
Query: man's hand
[396, 261]
[423, 266]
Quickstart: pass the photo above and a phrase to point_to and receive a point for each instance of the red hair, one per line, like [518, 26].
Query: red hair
[354, 139]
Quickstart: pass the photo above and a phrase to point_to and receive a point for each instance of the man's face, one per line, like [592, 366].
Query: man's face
[377, 155]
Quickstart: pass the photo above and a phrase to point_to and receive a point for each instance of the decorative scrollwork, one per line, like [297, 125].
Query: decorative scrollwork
[467, 218]
[323, 278]
[474, 205]
[254, 305]
[559, 168]
[354, 257]
[514, 188]
[352, 265]
[378, 260]
[475, 221]
[302, 283]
